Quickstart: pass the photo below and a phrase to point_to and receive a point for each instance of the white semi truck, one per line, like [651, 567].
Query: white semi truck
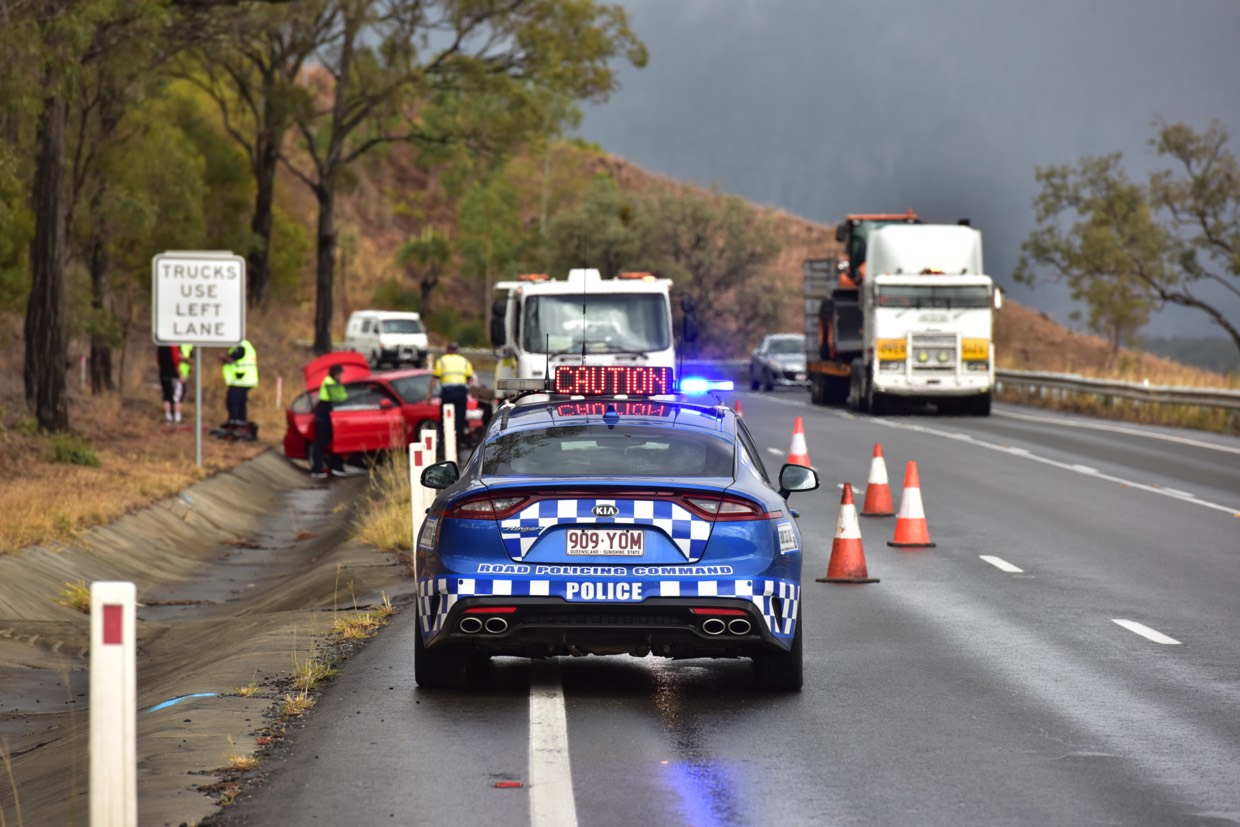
[907, 316]
[538, 323]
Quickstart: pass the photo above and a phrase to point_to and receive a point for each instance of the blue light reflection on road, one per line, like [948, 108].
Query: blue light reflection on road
[705, 791]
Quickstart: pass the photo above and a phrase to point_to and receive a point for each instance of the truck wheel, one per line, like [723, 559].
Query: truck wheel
[836, 392]
[816, 395]
[981, 405]
[858, 388]
[781, 671]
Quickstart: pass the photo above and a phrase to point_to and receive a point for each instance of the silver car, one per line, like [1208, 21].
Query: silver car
[779, 362]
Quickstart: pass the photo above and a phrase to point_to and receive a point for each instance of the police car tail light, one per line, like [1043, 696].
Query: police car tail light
[486, 507]
[724, 508]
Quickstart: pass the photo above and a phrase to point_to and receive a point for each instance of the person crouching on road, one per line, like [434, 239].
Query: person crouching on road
[454, 372]
[331, 393]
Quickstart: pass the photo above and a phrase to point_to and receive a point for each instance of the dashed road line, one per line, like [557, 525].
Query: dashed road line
[1001, 564]
[1146, 632]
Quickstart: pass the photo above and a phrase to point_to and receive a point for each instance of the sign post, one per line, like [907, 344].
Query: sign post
[198, 298]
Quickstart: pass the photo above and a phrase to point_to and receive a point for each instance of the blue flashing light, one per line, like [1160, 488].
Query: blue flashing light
[695, 385]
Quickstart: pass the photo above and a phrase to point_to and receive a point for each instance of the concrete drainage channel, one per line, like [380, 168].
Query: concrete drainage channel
[238, 578]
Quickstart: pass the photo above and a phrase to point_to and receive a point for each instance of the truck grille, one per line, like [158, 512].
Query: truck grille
[940, 351]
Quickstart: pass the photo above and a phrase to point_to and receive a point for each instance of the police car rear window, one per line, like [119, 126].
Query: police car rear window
[598, 451]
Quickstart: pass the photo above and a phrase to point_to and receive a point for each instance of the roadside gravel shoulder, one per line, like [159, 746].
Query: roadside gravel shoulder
[239, 579]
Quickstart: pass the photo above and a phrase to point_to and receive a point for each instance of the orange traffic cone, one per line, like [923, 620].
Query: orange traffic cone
[799, 454]
[911, 528]
[847, 563]
[877, 490]
[739, 412]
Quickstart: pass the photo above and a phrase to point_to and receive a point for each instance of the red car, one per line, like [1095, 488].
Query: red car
[386, 409]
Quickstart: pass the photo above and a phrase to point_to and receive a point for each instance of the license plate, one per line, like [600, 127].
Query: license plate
[606, 541]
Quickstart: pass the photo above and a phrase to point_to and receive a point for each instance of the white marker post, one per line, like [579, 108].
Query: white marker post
[113, 706]
[417, 498]
[448, 413]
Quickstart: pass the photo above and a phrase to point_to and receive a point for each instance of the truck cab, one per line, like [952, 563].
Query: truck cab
[539, 323]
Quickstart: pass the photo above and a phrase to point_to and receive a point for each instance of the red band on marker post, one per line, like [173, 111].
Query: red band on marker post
[112, 624]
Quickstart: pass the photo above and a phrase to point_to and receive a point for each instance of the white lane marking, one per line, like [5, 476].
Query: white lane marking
[1120, 429]
[1078, 469]
[1001, 564]
[774, 451]
[1145, 631]
[551, 777]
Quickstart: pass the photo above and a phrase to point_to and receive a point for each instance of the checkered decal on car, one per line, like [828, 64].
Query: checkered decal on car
[437, 595]
[688, 532]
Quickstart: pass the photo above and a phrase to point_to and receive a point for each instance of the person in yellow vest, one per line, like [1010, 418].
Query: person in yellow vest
[331, 393]
[240, 375]
[455, 374]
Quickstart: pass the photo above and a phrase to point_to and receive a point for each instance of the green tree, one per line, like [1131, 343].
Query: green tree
[716, 248]
[1126, 250]
[1109, 254]
[249, 60]
[1204, 210]
[601, 233]
[425, 259]
[490, 233]
[478, 72]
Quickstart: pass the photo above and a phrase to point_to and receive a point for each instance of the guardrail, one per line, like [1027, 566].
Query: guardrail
[1051, 383]
[1138, 391]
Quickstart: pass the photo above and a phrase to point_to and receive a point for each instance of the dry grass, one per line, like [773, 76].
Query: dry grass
[119, 456]
[359, 625]
[75, 596]
[385, 521]
[294, 706]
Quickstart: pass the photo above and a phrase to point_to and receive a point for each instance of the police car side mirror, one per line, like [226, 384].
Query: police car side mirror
[440, 475]
[793, 477]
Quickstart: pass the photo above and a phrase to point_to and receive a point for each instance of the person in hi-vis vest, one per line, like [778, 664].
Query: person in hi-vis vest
[455, 374]
[331, 393]
[240, 375]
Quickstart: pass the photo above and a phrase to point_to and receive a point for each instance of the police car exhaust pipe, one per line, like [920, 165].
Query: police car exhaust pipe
[470, 625]
[496, 625]
[713, 626]
[740, 626]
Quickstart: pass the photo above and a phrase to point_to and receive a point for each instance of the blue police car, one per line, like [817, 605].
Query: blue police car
[607, 516]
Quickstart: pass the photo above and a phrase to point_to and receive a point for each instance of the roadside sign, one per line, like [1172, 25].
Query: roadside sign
[198, 298]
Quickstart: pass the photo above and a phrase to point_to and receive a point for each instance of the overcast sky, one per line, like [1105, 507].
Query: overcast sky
[825, 107]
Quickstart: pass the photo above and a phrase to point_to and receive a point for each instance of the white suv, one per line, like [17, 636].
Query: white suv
[387, 337]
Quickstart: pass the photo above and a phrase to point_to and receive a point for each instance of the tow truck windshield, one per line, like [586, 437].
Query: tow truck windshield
[611, 323]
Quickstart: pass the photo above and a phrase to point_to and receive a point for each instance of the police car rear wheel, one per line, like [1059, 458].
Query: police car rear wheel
[437, 670]
[780, 671]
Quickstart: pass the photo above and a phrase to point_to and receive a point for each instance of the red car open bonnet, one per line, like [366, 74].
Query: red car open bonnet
[355, 368]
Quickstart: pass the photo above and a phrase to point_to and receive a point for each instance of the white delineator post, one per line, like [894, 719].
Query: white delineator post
[448, 413]
[417, 497]
[113, 706]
